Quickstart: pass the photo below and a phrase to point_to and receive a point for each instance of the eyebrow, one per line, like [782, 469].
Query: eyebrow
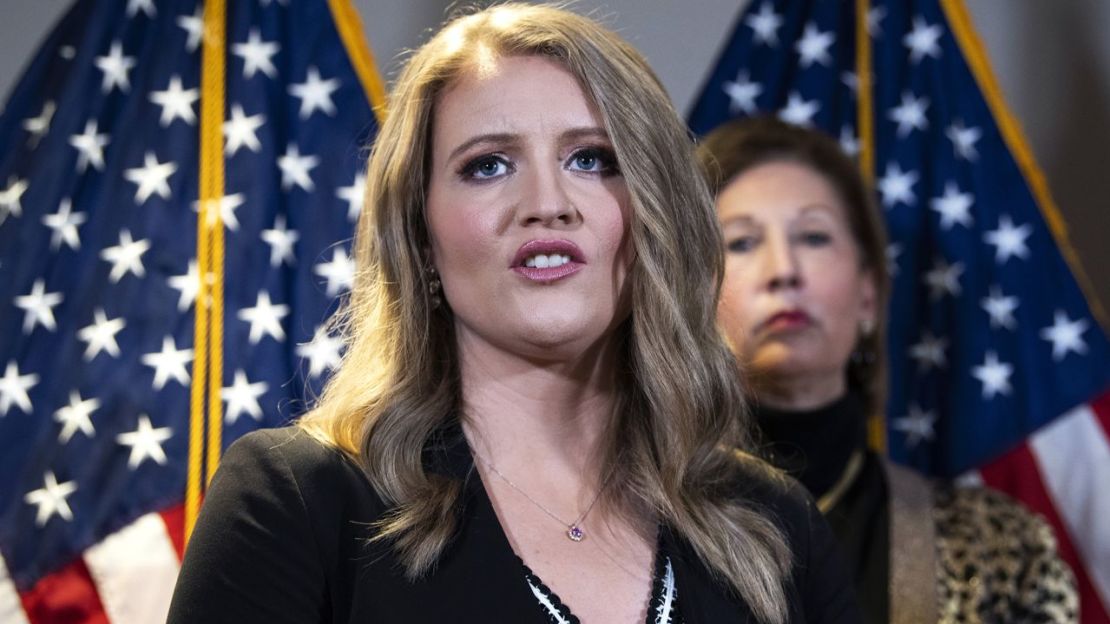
[501, 138]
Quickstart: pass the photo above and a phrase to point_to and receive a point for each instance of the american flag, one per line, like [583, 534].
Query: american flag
[99, 275]
[998, 366]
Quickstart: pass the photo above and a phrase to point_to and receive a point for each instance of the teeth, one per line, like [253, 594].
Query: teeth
[542, 261]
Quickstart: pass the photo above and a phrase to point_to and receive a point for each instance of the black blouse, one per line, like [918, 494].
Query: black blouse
[815, 447]
[282, 538]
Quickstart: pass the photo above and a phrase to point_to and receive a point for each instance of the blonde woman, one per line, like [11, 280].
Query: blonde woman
[536, 419]
[804, 302]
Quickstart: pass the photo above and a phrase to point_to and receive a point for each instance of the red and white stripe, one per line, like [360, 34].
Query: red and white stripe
[1062, 472]
[127, 578]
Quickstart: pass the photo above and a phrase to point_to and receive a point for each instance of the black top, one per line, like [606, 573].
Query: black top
[815, 447]
[282, 538]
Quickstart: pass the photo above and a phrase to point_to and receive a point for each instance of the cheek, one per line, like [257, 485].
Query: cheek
[734, 309]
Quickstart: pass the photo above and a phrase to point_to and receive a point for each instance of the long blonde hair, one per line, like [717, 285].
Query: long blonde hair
[680, 408]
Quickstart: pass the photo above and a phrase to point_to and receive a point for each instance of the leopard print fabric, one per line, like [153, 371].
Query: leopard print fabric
[997, 562]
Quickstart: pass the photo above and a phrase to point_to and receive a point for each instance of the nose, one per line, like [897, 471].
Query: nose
[546, 200]
[780, 264]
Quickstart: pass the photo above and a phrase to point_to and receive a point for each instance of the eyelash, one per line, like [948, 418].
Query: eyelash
[605, 158]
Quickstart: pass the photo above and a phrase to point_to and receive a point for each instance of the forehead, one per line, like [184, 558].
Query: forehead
[513, 94]
[780, 190]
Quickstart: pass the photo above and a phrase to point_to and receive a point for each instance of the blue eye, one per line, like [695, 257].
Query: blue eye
[594, 160]
[740, 244]
[485, 168]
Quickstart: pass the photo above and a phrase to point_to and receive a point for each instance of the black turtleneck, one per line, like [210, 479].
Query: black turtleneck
[815, 446]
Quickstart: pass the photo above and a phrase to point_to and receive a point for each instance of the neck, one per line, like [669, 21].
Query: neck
[801, 392]
[520, 412]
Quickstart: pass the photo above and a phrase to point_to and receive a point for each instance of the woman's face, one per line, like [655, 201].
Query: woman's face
[527, 211]
[794, 294]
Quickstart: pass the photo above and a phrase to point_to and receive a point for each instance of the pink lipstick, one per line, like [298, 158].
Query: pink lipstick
[546, 261]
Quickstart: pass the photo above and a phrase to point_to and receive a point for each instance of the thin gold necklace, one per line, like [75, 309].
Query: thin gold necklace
[837, 491]
[574, 531]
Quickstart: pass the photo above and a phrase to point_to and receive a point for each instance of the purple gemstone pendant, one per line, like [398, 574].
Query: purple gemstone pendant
[575, 533]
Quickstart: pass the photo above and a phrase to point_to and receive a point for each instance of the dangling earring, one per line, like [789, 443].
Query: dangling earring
[862, 356]
[434, 286]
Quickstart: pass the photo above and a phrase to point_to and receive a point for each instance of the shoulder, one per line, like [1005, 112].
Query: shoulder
[1008, 552]
[772, 491]
[288, 460]
[981, 513]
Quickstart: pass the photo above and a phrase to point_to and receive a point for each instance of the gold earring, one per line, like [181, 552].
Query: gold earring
[434, 286]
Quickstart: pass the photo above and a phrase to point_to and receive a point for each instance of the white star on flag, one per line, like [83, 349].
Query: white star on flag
[944, 279]
[917, 425]
[188, 285]
[152, 178]
[850, 80]
[169, 362]
[10, 198]
[849, 144]
[922, 40]
[323, 353]
[225, 208]
[265, 318]
[353, 195]
[51, 499]
[240, 131]
[742, 93]
[127, 257]
[896, 186]
[76, 417]
[929, 353]
[64, 223]
[295, 168]
[765, 25]
[340, 272]
[38, 126]
[814, 46]
[315, 93]
[146, 6]
[101, 335]
[1065, 335]
[281, 240]
[176, 103]
[910, 114]
[194, 26]
[14, 387]
[875, 17]
[145, 442]
[115, 67]
[994, 375]
[257, 55]
[38, 306]
[1000, 308]
[242, 396]
[964, 140]
[1009, 240]
[953, 207]
[90, 147]
[799, 111]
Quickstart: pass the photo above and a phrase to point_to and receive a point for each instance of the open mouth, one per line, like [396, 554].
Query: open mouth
[548, 260]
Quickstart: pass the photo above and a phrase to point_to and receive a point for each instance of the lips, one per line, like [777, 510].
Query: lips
[548, 260]
[786, 320]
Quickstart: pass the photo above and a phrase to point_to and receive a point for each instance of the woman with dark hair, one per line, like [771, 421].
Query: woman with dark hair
[803, 304]
[536, 417]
